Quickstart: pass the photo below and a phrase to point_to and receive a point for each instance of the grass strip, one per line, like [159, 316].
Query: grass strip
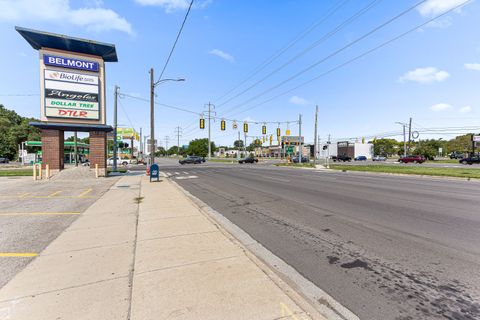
[416, 170]
[16, 172]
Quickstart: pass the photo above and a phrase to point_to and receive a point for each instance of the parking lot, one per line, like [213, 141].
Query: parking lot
[34, 213]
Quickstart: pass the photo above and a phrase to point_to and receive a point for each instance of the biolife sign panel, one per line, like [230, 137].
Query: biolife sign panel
[72, 87]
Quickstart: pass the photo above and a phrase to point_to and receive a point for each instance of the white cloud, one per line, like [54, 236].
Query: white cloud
[432, 8]
[173, 5]
[223, 55]
[441, 23]
[425, 75]
[440, 107]
[298, 101]
[472, 66]
[59, 11]
[466, 109]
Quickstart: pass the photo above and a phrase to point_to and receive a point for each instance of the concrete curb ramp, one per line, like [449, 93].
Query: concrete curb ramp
[146, 251]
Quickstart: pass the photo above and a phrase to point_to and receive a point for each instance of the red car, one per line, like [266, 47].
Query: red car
[414, 159]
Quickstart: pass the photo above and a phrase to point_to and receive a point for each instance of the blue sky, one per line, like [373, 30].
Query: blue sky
[432, 74]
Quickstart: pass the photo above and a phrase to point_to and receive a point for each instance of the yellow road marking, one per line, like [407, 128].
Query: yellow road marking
[24, 195]
[18, 254]
[54, 194]
[36, 213]
[85, 192]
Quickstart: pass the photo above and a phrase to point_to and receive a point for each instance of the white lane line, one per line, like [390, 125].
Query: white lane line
[187, 177]
[169, 174]
[185, 172]
[163, 174]
[177, 173]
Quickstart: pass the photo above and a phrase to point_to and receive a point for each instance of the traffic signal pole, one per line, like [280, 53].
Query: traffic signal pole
[299, 138]
[152, 120]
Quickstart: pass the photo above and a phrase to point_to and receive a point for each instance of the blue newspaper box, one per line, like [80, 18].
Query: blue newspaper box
[154, 172]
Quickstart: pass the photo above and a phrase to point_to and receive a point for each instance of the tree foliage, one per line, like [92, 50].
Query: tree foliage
[238, 144]
[14, 129]
[199, 147]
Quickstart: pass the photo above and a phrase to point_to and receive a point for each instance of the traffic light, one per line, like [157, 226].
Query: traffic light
[222, 125]
[245, 127]
[279, 133]
[202, 123]
[287, 132]
[325, 147]
[264, 129]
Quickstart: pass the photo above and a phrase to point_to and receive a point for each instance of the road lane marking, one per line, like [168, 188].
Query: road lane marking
[185, 172]
[25, 194]
[18, 254]
[54, 194]
[187, 177]
[276, 179]
[177, 173]
[37, 213]
[85, 192]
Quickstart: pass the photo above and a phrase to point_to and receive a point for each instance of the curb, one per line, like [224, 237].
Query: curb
[313, 300]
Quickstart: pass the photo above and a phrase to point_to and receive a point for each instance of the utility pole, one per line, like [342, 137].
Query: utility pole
[238, 149]
[300, 138]
[315, 146]
[209, 130]
[167, 138]
[404, 125]
[152, 120]
[328, 152]
[409, 135]
[245, 143]
[140, 151]
[75, 150]
[178, 132]
[115, 128]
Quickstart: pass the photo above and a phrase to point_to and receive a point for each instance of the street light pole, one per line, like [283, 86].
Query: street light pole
[152, 112]
[115, 129]
[152, 119]
[404, 138]
[315, 146]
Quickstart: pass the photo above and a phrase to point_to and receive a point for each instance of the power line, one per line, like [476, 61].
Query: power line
[289, 45]
[357, 57]
[331, 55]
[311, 47]
[20, 95]
[176, 40]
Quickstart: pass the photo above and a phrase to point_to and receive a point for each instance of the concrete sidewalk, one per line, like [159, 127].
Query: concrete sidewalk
[146, 251]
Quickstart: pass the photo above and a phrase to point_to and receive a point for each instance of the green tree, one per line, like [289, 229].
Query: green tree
[199, 147]
[386, 147]
[238, 144]
[255, 144]
[460, 143]
[14, 130]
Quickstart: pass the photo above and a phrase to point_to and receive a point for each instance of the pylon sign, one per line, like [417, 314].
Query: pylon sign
[245, 127]
[222, 125]
[202, 123]
[264, 129]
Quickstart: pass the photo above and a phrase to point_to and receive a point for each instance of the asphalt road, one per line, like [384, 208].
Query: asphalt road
[386, 247]
[33, 214]
[393, 162]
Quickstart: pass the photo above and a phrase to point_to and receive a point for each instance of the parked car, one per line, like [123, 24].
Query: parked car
[190, 159]
[379, 158]
[470, 160]
[343, 158]
[123, 162]
[410, 158]
[248, 160]
[304, 159]
[457, 155]
[3, 160]
[360, 158]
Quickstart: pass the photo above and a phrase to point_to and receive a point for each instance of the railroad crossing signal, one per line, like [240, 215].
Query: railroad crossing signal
[264, 129]
[202, 123]
[245, 127]
[222, 125]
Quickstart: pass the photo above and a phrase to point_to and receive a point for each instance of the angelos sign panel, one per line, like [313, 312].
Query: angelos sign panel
[72, 95]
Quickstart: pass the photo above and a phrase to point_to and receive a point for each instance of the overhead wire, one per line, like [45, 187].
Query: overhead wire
[289, 45]
[176, 40]
[327, 36]
[356, 58]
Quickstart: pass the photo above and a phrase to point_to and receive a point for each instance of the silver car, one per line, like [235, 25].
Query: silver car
[379, 158]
